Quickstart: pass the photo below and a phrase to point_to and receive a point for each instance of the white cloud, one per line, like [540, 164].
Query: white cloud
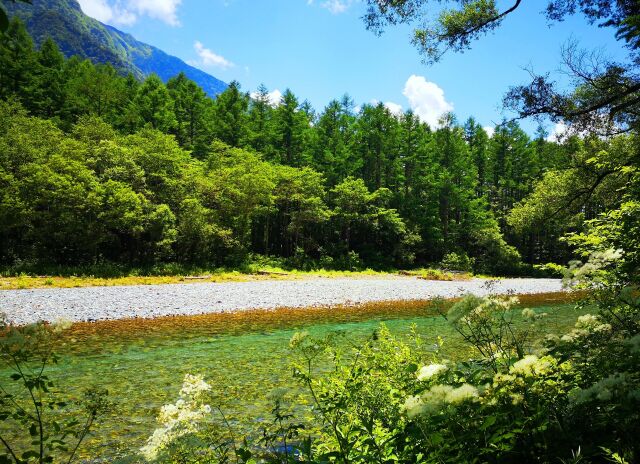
[98, 9]
[490, 130]
[129, 11]
[394, 108]
[334, 6]
[426, 99]
[164, 10]
[208, 58]
[274, 97]
[559, 130]
[107, 13]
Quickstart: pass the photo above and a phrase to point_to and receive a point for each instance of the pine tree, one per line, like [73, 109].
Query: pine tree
[377, 145]
[48, 94]
[155, 105]
[291, 125]
[190, 109]
[230, 116]
[260, 124]
[478, 140]
[18, 61]
[332, 150]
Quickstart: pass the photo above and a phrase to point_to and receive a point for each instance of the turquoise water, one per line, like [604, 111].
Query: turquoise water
[143, 367]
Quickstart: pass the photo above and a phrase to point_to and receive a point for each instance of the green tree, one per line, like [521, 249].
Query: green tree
[291, 124]
[333, 144]
[49, 92]
[190, 108]
[377, 146]
[261, 123]
[365, 225]
[230, 116]
[93, 89]
[478, 142]
[154, 104]
[299, 210]
[18, 61]
[513, 167]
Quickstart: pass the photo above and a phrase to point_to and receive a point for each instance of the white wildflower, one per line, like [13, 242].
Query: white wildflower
[194, 385]
[499, 379]
[179, 419]
[463, 393]
[427, 372]
[531, 365]
[413, 406]
[592, 324]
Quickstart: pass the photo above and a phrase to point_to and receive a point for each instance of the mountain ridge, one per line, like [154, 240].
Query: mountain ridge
[78, 34]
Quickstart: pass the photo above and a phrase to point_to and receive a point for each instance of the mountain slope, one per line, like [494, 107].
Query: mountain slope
[78, 34]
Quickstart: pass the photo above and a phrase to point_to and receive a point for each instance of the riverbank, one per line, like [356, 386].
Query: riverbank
[27, 281]
[152, 301]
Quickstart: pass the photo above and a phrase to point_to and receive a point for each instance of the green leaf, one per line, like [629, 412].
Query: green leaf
[30, 454]
[436, 439]
[488, 422]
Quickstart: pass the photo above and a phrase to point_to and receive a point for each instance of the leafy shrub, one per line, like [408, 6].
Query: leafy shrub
[457, 262]
[549, 270]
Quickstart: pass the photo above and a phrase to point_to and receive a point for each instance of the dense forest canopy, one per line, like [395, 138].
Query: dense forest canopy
[97, 166]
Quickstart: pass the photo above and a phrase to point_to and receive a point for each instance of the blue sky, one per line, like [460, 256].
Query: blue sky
[320, 49]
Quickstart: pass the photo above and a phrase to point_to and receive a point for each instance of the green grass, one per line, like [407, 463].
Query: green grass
[243, 355]
[65, 279]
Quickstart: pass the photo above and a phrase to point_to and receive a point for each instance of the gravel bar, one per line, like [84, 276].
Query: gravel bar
[148, 301]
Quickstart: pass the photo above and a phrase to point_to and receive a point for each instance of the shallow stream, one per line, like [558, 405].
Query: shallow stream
[243, 356]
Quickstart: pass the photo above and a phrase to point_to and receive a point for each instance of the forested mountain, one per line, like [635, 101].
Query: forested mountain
[98, 167]
[77, 34]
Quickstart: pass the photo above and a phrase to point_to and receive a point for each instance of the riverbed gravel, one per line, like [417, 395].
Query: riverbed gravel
[149, 301]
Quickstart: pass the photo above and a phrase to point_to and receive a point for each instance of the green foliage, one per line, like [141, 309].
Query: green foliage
[457, 262]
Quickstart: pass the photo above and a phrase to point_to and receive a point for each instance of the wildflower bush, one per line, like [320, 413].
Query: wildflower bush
[185, 417]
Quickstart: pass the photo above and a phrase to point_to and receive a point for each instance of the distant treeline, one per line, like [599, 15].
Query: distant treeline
[98, 167]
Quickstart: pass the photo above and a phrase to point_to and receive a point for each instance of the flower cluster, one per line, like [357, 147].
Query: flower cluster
[531, 365]
[437, 397]
[179, 419]
[593, 270]
[61, 324]
[475, 308]
[298, 338]
[586, 325]
[193, 386]
[432, 370]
